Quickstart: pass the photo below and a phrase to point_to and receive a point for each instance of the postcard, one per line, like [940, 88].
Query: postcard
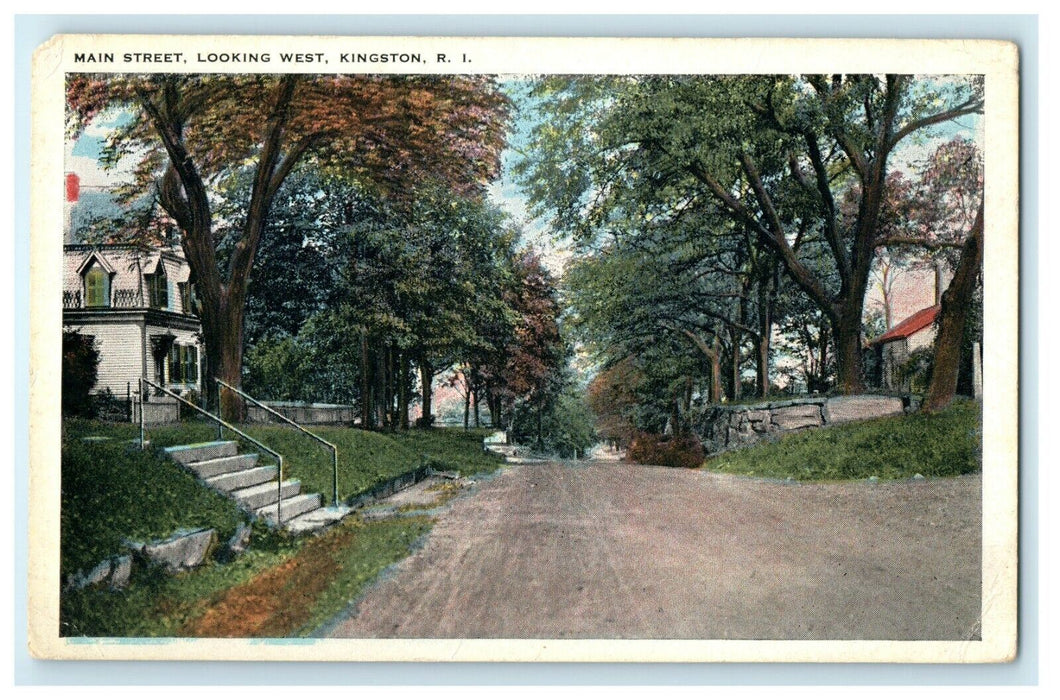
[524, 349]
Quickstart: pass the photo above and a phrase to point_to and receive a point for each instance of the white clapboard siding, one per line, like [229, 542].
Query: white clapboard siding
[120, 349]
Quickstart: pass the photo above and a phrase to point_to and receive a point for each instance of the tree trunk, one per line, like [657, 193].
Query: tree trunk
[540, 436]
[230, 366]
[952, 318]
[715, 372]
[467, 402]
[379, 391]
[183, 195]
[403, 391]
[848, 350]
[764, 339]
[366, 385]
[474, 398]
[426, 392]
[734, 366]
[686, 424]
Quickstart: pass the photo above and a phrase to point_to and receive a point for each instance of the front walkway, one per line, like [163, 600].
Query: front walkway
[611, 550]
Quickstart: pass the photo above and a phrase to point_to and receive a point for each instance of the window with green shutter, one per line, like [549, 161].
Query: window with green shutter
[174, 365]
[183, 364]
[191, 364]
[97, 287]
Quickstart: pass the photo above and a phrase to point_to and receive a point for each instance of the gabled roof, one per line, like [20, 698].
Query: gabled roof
[914, 324]
[95, 257]
[125, 263]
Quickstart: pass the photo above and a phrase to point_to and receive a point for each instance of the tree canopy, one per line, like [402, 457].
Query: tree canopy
[189, 134]
[801, 163]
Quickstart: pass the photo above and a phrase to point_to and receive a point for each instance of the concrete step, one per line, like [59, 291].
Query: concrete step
[210, 468]
[291, 508]
[245, 478]
[261, 495]
[201, 451]
[317, 519]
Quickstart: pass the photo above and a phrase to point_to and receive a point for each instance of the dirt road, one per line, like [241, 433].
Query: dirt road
[612, 550]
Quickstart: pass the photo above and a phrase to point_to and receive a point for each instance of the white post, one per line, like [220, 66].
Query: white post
[977, 371]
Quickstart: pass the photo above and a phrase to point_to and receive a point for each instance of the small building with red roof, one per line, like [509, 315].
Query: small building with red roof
[894, 348]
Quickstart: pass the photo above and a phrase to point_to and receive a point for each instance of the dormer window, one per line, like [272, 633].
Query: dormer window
[97, 287]
[158, 288]
[186, 290]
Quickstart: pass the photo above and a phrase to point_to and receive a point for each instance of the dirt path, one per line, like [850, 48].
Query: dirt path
[611, 550]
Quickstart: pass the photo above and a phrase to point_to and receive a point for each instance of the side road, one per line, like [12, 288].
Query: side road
[606, 549]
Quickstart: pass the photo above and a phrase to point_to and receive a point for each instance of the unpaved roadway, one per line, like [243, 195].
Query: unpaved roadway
[612, 550]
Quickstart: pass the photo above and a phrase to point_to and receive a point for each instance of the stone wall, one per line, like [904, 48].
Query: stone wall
[159, 410]
[303, 413]
[724, 427]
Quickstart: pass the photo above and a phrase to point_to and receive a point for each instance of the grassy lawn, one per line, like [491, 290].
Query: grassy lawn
[283, 585]
[452, 449]
[365, 458]
[280, 588]
[945, 444]
[110, 493]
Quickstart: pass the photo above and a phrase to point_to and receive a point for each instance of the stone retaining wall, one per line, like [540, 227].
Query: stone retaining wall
[303, 413]
[727, 426]
[391, 486]
[159, 410]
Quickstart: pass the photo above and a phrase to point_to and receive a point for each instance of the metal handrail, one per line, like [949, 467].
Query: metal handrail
[322, 441]
[220, 423]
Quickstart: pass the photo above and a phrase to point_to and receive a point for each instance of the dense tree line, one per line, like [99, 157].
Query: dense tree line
[354, 301]
[718, 215]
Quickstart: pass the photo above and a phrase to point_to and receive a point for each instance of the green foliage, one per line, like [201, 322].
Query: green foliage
[80, 367]
[947, 443]
[715, 187]
[565, 427]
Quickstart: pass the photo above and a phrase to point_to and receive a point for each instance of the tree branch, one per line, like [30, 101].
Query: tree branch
[912, 241]
[802, 276]
[824, 190]
[971, 106]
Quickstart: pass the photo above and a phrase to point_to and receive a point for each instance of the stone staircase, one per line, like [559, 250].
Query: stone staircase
[254, 487]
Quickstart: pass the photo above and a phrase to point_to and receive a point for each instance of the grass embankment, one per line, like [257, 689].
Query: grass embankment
[111, 494]
[943, 444]
[365, 458]
[281, 588]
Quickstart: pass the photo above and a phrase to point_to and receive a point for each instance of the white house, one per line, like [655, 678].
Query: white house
[139, 306]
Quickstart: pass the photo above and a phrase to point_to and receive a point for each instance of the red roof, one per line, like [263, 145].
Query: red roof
[915, 323]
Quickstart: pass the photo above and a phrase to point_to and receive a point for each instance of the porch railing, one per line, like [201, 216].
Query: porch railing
[119, 299]
[221, 424]
[285, 419]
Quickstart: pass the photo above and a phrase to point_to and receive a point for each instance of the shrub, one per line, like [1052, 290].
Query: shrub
[80, 371]
[683, 451]
[110, 408]
[916, 370]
